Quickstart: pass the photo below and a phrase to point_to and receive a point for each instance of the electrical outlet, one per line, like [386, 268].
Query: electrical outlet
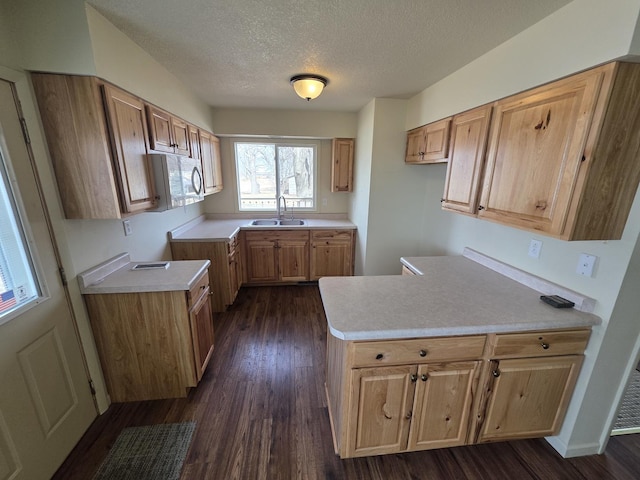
[126, 224]
[586, 264]
[534, 248]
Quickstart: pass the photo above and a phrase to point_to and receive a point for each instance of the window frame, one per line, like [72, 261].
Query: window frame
[9, 179]
[315, 144]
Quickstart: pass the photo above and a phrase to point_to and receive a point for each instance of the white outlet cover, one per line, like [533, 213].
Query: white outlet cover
[586, 263]
[534, 248]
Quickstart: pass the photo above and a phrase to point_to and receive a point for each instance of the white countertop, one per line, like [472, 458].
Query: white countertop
[116, 276]
[456, 296]
[204, 229]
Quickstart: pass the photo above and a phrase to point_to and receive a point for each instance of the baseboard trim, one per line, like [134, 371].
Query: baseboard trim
[573, 451]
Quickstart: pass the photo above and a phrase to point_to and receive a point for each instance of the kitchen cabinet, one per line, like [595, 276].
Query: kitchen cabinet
[98, 141]
[342, 165]
[406, 394]
[429, 143]
[562, 158]
[332, 253]
[152, 345]
[194, 142]
[225, 274]
[167, 132]
[469, 132]
[277, 256]
[400, 395]
[211, 162]
[531, 382]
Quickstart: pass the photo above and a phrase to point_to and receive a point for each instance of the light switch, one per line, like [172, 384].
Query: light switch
[586, 264]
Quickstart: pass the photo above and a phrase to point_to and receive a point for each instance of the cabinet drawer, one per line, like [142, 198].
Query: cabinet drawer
[540, 344]
[270, 235]
[419, 350]
[198, 288]
[320, 235]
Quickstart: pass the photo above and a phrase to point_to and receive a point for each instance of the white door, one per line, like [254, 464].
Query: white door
[45, 399]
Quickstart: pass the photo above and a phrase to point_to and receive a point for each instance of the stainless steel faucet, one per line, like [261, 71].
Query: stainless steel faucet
[280, 212]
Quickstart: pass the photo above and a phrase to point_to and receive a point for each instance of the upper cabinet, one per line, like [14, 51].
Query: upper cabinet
[211, 162]
[562, 159]
[101, 167]
[466, 158]
[342, 165]
[194, 142]
[168, 133]
[429, 143]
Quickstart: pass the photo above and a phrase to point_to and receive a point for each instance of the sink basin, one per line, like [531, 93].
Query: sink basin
[292, 222]
[264, 222]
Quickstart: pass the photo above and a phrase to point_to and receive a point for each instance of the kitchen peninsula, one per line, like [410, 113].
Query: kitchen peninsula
[455, 354]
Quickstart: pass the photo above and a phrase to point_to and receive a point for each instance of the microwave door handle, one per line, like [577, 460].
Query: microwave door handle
[197, 187]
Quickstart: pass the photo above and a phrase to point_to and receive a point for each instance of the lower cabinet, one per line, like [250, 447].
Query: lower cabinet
[417, 394]
[332, 253]
[277, 256]
[152, 345]
[225, 274]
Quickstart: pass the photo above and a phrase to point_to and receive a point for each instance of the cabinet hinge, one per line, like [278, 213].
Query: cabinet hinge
[25, 131]
[92, 387]
[63, 276]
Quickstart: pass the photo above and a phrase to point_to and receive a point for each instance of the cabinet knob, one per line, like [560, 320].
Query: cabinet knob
[379, 356]
[423, 353]
[496, 373]
[544, 345]
[480, 207]
[424, 377]
[408, 416]
[413, 377]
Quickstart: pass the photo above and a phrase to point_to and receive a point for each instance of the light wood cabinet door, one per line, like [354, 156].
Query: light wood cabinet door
[211, 162]
[466, 160]
[262, 260]
[160, 130]
[202, 335]
[73, 119]
[342, 165]
[180, 135]
[293, 259]
[529, 397]
[331, 253]
[128, 130]
[429, 143]
[194, 142]
[535, 153]
[380, 410]
[443, 398]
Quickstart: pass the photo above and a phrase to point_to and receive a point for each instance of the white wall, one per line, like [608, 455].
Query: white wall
[293, 123]
[359, 199]
[582, 34]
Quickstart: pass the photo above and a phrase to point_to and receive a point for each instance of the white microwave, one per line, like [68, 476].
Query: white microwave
[178, 180]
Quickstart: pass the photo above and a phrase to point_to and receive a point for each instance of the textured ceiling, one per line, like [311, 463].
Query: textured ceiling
[241, 53]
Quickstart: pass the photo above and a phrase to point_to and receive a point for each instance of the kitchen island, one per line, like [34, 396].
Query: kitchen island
[456, 354]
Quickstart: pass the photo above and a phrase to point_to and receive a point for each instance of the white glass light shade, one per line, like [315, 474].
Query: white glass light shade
[308, 86]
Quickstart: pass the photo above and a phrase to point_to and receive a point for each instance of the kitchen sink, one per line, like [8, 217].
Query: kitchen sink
[264, 222]
[274, 223]
[292, 222]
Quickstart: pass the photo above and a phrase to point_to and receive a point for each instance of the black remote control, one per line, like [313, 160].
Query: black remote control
[557, 301]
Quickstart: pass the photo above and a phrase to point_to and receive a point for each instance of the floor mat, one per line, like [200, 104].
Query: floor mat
[146, 453]
[629, 414]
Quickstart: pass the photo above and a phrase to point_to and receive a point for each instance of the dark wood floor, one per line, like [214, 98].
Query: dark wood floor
[261, 414]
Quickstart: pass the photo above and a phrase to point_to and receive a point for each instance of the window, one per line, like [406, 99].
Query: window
[17, 276]
[265, 171]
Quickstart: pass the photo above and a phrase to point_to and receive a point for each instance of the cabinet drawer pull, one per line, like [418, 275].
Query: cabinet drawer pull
[424, 377]
[408, 416]
[496, 373]
[544, 345]
[379, 356]
[414, 377]
[423, 353]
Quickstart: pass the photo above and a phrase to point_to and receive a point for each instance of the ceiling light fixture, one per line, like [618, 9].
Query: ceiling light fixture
[308, 86]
